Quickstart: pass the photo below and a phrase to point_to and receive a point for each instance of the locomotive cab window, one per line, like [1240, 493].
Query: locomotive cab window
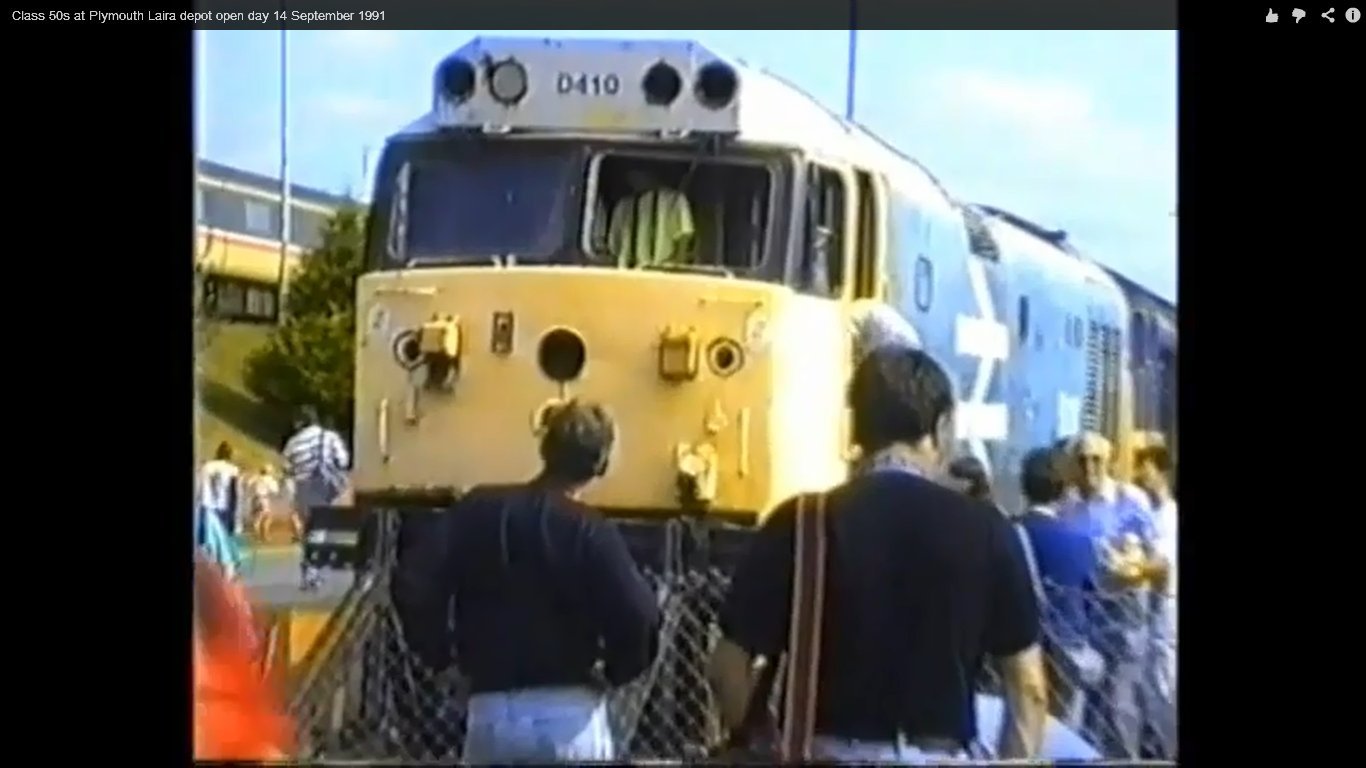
[472, 203]
[707, 214]
[980, 240]
[869, 228]
[821, 267]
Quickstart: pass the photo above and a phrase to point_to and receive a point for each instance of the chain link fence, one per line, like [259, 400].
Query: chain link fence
[368, 697]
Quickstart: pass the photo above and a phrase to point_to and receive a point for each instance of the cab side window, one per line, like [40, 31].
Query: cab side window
[821, 269]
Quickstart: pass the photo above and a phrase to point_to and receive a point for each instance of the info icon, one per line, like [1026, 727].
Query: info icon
[1353, 15]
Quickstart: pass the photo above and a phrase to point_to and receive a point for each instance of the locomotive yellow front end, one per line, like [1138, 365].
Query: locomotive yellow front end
[584, 219]
[456, 367]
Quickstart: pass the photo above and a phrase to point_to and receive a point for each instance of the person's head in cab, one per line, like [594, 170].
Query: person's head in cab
[1091, 453]
[639, 180]
[1153, 471]
[902, 400]
[970, 477]
[576, 444]
[1040, 479]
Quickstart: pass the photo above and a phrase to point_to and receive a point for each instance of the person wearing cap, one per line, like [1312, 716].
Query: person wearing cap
[549, 608]
[1122, 530]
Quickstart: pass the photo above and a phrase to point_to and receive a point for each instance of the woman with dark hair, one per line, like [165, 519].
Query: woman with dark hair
[971, 478]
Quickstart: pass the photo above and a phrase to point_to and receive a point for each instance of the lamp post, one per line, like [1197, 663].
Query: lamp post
[286, 206]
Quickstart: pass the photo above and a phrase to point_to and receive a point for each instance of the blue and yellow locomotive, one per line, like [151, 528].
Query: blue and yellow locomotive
[499, 282]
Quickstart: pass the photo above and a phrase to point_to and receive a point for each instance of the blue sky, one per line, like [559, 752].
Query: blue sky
[1075, 130]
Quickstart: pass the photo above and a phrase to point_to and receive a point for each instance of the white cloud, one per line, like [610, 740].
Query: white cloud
[356, 107]
[1057, 122]
[363, 41]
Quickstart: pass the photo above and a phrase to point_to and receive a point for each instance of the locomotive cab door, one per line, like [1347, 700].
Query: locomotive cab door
[829, 267]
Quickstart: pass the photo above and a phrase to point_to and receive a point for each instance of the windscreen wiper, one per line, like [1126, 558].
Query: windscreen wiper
[700, 269]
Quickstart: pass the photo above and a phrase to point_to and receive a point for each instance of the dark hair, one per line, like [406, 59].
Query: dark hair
[577, 441]
[971, 469]
[897, 394]
[1039, 477]
[308, 416]
[1157, 455]
[223, 452]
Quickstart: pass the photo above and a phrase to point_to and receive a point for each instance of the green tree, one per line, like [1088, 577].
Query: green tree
[310, 358]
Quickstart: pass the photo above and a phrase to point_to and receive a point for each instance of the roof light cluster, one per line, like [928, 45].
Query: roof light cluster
[507, 82]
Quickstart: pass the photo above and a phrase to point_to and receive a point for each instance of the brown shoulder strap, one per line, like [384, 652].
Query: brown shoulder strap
[804, 640]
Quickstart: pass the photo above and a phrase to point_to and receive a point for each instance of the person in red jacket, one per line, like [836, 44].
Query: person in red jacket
[238, 713]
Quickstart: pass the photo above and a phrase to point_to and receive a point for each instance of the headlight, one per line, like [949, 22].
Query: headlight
[507, 81]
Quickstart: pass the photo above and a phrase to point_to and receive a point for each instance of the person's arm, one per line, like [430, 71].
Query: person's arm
[1137, 519]
[753, 621]
[1012, 638]
[621, 232]
[423, 583]
[680, 228]
[627, 613]
[340, 455]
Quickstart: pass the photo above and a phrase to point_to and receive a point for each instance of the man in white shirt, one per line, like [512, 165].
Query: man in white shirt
[317, 462]
[219, 489]
[1152, 472]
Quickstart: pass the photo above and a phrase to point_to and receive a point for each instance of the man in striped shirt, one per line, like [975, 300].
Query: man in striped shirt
[317, 462]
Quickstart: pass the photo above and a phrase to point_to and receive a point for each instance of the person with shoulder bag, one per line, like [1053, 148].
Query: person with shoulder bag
[1063, 558]
[879, 671]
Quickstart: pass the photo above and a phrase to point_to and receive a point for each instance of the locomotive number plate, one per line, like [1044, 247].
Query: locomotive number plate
[586, 84]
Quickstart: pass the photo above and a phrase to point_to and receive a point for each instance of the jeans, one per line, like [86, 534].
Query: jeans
[1073, 671]
[841, 750]
[537, 725]
[1114, 712]
[1059, 741]
[1160, 688]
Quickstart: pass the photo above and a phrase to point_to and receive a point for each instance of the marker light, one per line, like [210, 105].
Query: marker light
[661, 85]
[507, 81]
[456, 79]
[716, 85]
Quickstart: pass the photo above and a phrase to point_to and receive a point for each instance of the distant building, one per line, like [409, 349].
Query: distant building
[238, 238]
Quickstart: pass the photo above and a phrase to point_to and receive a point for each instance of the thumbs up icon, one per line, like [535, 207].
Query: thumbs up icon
[1272, 17]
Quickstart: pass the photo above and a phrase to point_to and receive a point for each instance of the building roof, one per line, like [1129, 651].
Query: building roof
[218, 171]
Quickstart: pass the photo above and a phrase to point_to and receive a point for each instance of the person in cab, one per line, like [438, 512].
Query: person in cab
[549, 609]
[651, 224]
[922, 583]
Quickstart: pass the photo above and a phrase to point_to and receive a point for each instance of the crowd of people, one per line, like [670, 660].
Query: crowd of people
[930, 582]
[239, 714]
[233, 505]
[535, 597]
